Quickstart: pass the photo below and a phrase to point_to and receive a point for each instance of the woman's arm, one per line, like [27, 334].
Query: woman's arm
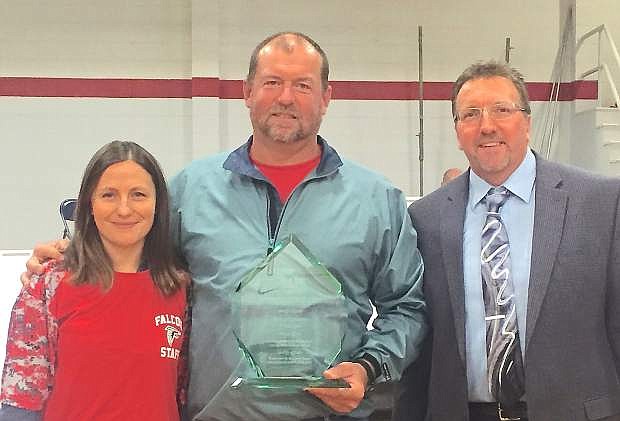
[29, 364]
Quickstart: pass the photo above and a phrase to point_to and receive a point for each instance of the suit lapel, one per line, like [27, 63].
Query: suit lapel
[549, 213]
[451, 220]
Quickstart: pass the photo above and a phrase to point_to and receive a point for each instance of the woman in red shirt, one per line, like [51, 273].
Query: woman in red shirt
[100, 335]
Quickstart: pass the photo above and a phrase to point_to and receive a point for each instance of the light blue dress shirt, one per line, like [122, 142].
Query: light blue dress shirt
[518, 216]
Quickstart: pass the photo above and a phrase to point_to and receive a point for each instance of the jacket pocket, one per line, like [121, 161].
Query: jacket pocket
[602, 407]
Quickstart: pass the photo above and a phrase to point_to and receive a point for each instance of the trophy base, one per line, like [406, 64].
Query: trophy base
[288, 383]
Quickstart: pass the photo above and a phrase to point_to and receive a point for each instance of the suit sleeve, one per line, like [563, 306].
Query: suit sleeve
[613, 296]
[411, 393]
[396, 292]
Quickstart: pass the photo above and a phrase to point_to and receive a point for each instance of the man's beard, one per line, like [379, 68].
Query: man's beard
[290, 134]
[283, 135]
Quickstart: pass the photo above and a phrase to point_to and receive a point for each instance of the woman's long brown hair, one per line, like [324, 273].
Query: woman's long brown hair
[86, 257]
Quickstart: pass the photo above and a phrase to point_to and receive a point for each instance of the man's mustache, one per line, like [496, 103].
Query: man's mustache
[290, 111]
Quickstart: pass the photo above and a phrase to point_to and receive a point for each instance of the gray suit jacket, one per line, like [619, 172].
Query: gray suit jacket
[572, 358]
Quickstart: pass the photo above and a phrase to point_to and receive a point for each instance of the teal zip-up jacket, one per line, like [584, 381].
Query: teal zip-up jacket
[227, 216]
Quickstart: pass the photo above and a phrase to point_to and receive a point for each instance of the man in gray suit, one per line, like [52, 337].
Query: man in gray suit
[522, 275]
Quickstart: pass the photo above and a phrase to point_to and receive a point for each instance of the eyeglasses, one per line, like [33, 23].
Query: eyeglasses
[499, 111]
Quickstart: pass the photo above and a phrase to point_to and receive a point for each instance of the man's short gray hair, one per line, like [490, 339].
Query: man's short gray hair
[287, 46]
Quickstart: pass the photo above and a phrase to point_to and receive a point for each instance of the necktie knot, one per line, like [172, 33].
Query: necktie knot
[496, 197]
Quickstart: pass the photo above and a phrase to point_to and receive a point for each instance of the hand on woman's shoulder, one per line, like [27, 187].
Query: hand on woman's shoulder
[53, 273]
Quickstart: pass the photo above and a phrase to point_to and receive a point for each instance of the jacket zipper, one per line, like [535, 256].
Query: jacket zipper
[273, 239]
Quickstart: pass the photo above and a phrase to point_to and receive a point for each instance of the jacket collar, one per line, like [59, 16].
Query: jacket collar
[549, 215]
[451, 222]
[239, 161]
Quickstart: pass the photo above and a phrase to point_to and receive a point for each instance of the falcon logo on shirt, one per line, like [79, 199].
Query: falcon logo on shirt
[171, 334]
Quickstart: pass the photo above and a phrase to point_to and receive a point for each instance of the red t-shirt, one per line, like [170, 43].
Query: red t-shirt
[286, 177]
[117, 351]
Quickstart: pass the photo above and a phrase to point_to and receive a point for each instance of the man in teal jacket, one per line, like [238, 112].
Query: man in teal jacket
[286, 179]
[231, 209]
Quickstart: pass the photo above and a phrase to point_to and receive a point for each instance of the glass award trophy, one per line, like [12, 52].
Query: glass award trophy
[289, 316]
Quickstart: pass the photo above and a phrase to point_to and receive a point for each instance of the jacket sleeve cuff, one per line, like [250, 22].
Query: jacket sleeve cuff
[372, 367]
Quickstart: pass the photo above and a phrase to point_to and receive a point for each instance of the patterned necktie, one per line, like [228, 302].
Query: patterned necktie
[504, 361]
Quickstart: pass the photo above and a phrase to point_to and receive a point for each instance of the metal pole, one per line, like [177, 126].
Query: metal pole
[508, 48]
[421, 108]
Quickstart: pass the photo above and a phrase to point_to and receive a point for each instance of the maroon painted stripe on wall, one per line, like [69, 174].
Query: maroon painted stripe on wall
[232, 89]
[95, 88]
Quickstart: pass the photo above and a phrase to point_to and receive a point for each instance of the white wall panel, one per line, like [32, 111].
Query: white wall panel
[205, 42]
[235, 126]
[47, 143]
[88, 38]
[207, 137]
[370, 40]
[383, 136]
